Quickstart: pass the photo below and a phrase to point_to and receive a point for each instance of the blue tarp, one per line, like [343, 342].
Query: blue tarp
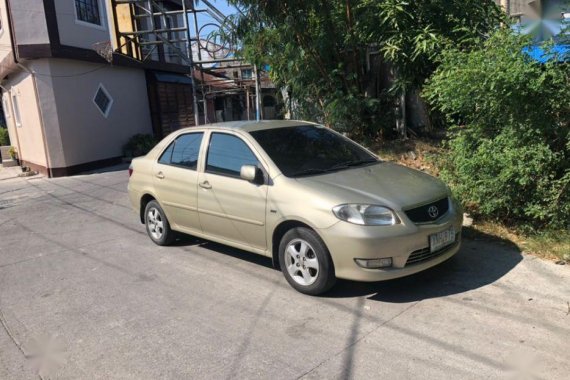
[560, 53]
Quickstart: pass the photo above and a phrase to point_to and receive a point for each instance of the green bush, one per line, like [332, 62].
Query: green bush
[139, 145]
[4, 139]
[508, 154]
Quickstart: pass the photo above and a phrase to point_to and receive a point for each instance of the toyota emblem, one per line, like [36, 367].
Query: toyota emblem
[433, 212]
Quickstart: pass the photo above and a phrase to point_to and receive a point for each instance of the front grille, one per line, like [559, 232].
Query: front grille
[430, 212]
[425, 254]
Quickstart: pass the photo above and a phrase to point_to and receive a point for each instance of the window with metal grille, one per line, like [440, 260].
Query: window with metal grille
[88, 11]
[103, 100]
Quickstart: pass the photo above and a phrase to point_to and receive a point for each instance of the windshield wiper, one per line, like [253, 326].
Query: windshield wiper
[347, 164]
[341, 165]
[309, 171]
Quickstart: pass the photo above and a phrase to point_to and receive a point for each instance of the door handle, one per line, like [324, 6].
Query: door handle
[205, 185]
[160, 175]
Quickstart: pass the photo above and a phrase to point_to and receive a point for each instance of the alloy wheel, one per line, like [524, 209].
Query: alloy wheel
[301, 262]
[155, 223]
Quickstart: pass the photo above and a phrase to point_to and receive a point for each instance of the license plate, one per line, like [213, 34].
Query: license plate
[441, 239]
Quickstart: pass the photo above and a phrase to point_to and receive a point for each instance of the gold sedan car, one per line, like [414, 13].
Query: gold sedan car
[320, 205]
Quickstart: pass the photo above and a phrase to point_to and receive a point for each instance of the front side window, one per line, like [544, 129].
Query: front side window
[309, 150]
[88, 11]
[183, 151]
[227, 154]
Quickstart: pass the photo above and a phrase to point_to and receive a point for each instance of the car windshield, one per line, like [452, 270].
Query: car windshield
[308, 150]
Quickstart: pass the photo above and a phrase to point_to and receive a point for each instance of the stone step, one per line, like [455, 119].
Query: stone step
[9, 163]
[4, 151]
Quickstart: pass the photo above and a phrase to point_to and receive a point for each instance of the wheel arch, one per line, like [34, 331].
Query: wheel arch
[147, 197]
[279, 231]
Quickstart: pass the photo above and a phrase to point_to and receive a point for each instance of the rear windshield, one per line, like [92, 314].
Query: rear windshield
[310, 150]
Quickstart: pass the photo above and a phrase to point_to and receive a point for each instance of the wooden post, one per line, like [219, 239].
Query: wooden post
[247, 101]
[257, 94]
[404, 126]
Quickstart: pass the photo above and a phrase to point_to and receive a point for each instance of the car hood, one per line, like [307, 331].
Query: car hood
[386, 183]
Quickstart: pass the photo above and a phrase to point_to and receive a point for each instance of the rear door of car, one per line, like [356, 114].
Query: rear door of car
[176, 181]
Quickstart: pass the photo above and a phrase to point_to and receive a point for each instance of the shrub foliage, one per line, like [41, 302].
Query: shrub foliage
[139, 145]
[508, 154]
[4, 139]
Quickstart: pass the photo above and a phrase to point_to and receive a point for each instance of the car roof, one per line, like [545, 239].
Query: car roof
[251, 125]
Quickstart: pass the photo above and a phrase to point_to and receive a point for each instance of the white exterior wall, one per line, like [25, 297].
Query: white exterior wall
[49, 112]
[6, 54]
[29, 20]
[27, 137]
[86, 134]
[73, 32]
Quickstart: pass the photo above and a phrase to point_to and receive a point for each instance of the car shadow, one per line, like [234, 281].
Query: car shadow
[482, 260]
[189, 241]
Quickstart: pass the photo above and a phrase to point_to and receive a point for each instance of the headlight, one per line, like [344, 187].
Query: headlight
[366, 215]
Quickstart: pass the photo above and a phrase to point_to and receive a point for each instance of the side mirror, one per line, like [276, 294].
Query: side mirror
[251, 173]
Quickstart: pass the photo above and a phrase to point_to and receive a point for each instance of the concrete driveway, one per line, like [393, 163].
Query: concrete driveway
[85, 294]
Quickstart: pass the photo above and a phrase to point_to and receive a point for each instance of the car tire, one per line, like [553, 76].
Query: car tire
[306, 262]
[157, 226]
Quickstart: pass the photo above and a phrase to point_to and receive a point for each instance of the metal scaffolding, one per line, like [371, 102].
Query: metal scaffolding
[170, 31]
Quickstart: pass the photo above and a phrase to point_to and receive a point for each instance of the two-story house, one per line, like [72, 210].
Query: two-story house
[67, 108]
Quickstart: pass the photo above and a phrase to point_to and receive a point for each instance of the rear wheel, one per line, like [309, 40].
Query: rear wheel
[157, 225]
[305, 261]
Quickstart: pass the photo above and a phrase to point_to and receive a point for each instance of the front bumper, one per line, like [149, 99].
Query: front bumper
[347, 242]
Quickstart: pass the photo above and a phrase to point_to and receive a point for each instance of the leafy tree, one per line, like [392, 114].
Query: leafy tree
[509, 154]
[318, 49]
[4, 138]
[412, 34]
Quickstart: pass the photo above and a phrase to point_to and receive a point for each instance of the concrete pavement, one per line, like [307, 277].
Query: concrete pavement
[85, 294]
[9, 172]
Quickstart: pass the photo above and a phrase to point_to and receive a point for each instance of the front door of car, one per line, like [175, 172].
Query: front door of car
[176, 181]
[229, 206]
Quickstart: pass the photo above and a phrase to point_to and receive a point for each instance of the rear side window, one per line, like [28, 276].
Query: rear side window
[183, 151]
[227, 154]
[165, 157]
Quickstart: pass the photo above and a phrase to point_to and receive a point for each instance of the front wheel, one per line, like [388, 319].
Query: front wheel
[157, 225]
[305, 261]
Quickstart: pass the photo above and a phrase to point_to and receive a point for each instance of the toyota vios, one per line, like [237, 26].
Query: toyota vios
[320, 205]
